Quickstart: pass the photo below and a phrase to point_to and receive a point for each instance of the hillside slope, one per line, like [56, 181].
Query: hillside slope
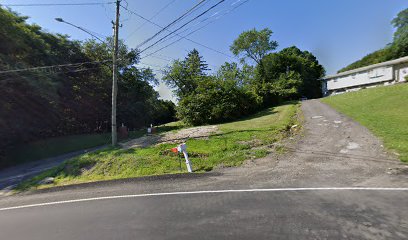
[383, 110]
[230, 145]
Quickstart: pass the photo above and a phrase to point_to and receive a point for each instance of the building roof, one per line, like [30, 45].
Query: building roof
[362, 69]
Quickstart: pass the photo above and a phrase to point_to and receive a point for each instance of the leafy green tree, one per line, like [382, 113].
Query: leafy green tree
[231, 71]
[286, 86]
[299, 68]
[309, 68]
[184, 76]
[400, 23]
[400, 44]
[216, 100]
[67, 100]
[253, 44]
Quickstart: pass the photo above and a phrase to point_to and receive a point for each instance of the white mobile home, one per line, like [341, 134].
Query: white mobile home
[384, 73]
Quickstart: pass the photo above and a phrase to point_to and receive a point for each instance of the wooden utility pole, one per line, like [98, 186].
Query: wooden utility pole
[115, 75]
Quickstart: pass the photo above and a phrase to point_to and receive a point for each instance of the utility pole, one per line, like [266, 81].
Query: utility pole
[115, 74]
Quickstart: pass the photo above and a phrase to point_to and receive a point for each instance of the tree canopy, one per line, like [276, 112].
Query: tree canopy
[68, 100]
[235, 91]
[253, 44]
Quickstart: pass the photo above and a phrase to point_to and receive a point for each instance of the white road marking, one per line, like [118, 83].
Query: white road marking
[204, 192]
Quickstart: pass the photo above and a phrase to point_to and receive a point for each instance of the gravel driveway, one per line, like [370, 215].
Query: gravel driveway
[333, 151]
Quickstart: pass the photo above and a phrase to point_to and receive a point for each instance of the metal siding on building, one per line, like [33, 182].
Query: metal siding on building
[403, 72]
[376, 75]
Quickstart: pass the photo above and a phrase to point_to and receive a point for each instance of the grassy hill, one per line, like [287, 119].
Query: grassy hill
[233, 143]
[383, 110]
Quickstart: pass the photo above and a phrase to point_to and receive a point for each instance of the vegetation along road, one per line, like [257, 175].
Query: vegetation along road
[334, 153]
[266, 166]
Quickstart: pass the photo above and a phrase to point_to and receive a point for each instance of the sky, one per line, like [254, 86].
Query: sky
[337, 32]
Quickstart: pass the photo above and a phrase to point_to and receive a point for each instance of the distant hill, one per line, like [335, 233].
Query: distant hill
[397, 49]
[382, 55]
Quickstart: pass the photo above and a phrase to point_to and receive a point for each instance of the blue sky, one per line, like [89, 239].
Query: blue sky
[337, 32]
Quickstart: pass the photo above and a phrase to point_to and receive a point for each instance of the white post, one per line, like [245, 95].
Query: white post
[183, 148]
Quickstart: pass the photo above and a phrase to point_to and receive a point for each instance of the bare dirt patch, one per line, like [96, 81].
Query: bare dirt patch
[171, 137]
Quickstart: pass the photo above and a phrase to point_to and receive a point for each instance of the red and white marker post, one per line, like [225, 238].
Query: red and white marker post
[183, 148]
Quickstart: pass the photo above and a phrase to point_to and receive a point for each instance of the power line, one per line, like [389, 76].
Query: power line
[56, 4]
[207, 25]
[54, 66]
[162, 58]
[51, 73]
[155, 15]
[157, 25]
[161, 39]
[170, 24]
[185, 37]
[151, 65]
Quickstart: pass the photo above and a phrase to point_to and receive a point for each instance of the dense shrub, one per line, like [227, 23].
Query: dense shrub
[216, 101]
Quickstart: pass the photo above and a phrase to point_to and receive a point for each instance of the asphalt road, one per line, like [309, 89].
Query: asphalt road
[253, 215]
[335, 153]
[12, 176]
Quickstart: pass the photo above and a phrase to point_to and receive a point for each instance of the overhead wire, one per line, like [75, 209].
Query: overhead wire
[155, 15]
[99, 3]
[56, 4]
[170, 24]
[185, 24]
[185, 36]
[147, 20]
[53, 66]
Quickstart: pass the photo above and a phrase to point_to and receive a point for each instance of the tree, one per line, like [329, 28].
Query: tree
[184, 76]
[286, 86]
[401, 24]
[67, 100]
[310, 71]
[194, 63]
[204, 98]
[253, 44]
[400, 45]
[289, 74]
[216, 100]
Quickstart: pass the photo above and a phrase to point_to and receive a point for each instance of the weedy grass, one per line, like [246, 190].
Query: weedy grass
[52, 147]
[230, 146]
[383, 110]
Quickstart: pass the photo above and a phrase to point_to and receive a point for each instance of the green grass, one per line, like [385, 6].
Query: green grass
[383, 110]
[234, 143]
[60, 145]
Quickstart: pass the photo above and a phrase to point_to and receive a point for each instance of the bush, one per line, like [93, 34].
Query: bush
[217, 101]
